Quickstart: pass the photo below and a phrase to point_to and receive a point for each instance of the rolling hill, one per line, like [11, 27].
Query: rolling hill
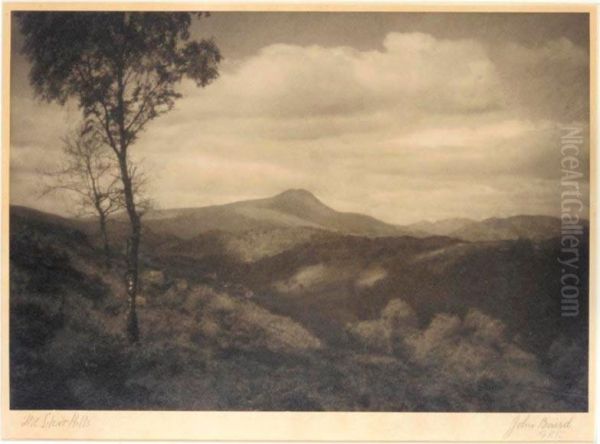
[443, 227]
[298, 212]
[293, 317]
[534, 227]
[524, 227]
[291, 209]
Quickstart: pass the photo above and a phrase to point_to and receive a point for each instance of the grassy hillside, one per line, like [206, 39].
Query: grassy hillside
[293, 318]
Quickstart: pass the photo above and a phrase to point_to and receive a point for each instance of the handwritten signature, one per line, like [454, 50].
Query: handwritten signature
[545, 427]
[56, 420]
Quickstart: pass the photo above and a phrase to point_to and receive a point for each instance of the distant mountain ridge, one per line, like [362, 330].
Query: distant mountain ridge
[299, 214]
[299, 209]
[534, 227]
[296, 208]
[514, 227]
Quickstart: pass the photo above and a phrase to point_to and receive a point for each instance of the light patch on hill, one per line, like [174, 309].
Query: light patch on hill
[370, 277]
[442, 259]
[277, 218]
[308, 277]
[253, 245]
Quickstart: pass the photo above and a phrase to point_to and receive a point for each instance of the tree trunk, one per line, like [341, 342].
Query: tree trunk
[105, 240]
[133, 244]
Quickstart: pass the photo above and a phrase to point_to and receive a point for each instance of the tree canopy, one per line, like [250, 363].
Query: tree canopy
[122, 67]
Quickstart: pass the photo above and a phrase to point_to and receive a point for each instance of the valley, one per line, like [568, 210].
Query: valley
[286, 304]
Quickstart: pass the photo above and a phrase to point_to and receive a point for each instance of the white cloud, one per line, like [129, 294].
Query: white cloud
[423, 128]
[475, 135]
[414, 70]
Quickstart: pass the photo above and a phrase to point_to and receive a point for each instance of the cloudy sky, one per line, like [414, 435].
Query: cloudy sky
[403, 116]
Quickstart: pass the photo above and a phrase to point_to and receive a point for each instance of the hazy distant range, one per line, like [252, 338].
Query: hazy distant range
[298, 208]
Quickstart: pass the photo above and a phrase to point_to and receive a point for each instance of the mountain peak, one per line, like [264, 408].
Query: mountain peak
[297, 194]
[301, 203]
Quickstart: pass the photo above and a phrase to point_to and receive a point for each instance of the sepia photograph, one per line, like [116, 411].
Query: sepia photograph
[298, 211]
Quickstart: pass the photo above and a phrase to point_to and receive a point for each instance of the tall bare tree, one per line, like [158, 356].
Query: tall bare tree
[123, 68]
[89, 172]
